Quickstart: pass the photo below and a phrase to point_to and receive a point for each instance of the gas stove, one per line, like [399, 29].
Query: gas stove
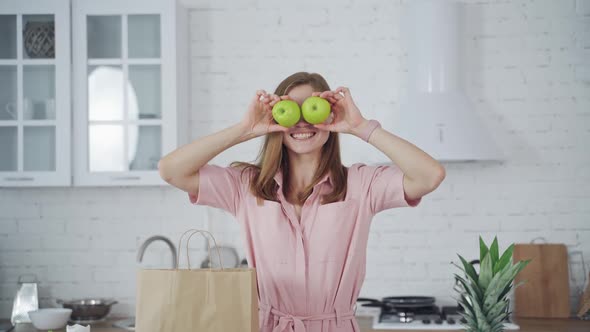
[426, 318]
[420, 317]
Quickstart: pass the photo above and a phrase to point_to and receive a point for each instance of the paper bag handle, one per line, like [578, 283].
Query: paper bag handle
[208, 244]
[203, 233]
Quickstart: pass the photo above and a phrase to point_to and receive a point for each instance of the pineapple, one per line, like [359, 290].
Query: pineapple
[484, 297]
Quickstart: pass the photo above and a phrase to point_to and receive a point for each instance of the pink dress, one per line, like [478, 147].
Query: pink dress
[309, 273]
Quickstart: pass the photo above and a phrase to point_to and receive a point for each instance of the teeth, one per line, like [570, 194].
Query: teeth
[302, 135]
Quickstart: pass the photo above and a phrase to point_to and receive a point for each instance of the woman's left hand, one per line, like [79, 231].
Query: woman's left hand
[346, 116]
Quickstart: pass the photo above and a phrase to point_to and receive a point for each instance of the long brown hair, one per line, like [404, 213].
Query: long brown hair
[273, 156]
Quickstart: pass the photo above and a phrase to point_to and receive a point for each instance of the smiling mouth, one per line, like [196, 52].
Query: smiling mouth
[302, 136]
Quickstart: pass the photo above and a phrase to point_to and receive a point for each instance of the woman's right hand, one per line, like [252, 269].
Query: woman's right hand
[258, 120]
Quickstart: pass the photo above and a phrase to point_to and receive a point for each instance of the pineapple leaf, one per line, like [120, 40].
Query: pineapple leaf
[474, 292]
[509, 288]
[498, 285]
[460, 267]
[512, 272]
[498, 325]
[524, 264]
[466, 288]
[505, 291]
[468, 315]
[497, 310]
[466, 306]
[485, 272]
[482, 324]
[498, 320]
[506, 276]
[483, 249]
[502, 281]
[468, 268]
[520, 284]
[504, 260]
[494, 251]
[471, 322]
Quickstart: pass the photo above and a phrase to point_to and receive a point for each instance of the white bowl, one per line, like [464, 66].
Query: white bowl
[50, 318]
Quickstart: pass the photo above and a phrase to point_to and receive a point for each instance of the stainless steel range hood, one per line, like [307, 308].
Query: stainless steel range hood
[435, 114]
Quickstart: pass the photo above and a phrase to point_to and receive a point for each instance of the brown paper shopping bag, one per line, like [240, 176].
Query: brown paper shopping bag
[207, 300]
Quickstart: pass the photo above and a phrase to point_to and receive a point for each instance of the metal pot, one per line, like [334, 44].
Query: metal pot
[88, 309]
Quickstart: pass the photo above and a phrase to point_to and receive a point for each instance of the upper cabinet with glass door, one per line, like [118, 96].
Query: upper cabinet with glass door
[130, 88]
[35, 93]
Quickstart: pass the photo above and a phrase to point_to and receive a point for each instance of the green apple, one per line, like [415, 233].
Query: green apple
[315, 110]
[286, 113]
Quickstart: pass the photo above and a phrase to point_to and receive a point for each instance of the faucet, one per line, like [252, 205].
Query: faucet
[147, 242]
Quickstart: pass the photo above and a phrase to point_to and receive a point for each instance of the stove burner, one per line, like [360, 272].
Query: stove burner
[408, 315]
[405, 317]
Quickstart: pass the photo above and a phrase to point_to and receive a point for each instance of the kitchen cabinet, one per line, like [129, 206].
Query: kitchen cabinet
[130, 91]
[35, 67]
[96, 93]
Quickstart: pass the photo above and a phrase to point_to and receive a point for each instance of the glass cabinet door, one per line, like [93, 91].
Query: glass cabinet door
[8, 118]
[124, 97]
[33, 107]
[128, 88]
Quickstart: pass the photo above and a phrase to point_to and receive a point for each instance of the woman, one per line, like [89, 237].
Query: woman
[304, 215]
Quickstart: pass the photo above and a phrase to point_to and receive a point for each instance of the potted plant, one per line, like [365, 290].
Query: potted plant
[484, 296]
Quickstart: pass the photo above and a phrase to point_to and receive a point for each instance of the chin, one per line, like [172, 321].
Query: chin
[306, 150]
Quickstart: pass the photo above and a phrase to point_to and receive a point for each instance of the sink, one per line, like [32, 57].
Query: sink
[125, 324]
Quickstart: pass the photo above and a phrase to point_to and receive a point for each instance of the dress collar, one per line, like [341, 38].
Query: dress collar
[279, 178]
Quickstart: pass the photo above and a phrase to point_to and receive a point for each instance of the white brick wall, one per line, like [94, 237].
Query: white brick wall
[527, 69]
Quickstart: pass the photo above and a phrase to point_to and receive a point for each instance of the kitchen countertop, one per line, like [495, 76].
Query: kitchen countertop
[526, 325]
[106, 326]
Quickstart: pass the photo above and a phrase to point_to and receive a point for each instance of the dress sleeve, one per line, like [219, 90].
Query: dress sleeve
[384, 187]
[219, 187]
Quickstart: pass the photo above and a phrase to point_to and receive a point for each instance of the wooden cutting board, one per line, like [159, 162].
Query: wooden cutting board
[585, 300]
[546, 291]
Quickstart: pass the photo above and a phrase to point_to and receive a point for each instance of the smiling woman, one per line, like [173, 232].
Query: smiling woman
[305, 217]
[295, 143]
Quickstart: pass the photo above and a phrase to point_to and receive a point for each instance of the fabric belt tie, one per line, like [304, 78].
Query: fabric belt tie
[290, 323]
